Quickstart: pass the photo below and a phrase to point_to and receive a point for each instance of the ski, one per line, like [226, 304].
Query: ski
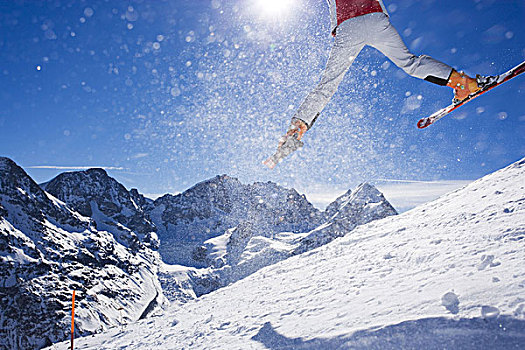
[514, 72]
[285, 148]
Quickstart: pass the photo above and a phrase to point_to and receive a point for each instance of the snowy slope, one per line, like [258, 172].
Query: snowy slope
[448, 274]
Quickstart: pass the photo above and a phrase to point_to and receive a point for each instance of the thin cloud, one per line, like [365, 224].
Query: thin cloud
[58, 167]
[139, 155]
[413, 181]
[405, 195]
[402, 194]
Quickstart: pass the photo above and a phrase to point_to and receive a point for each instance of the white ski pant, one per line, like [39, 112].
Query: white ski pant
[351, 37]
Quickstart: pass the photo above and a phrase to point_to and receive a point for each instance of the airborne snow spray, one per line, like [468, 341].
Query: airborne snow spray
[73, 320]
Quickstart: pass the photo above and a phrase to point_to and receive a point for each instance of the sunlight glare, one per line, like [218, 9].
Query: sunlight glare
[275, 7]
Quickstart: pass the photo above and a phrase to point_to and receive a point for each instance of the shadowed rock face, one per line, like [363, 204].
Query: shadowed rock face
[19, 191]
[47, 250]
[93, 193]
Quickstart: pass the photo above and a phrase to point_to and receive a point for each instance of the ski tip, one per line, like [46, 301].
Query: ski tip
[423, 123]
[269, 163]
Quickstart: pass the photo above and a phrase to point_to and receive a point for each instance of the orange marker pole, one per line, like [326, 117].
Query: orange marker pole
[73, 321]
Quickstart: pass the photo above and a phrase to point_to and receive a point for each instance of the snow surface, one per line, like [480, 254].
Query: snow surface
[448, 274]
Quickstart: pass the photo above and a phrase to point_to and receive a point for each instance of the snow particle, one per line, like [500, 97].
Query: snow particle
[131, 14]
[215, 4]
[502, 115]
[38, 68]
[88, 12]
[190, 37]
[175, 91]
[392, 8]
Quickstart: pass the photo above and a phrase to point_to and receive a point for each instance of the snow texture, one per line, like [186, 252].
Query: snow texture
[448, 274]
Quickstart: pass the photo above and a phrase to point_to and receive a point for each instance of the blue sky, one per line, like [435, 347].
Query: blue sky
[165, 94]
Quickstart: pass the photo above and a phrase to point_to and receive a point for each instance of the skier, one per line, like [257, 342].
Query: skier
[355, 24]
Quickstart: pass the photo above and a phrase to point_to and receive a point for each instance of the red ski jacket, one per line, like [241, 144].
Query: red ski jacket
[341, 10]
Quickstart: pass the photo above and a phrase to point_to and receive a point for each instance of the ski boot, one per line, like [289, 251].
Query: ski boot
[289, 143]
[463, 86]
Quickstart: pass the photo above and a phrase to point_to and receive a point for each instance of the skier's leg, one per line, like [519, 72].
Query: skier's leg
[386, 39]
[348, 44]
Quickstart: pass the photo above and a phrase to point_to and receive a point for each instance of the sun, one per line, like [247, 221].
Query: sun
[275, 7]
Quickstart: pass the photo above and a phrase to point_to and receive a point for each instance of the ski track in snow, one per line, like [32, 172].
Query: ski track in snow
[448, 273]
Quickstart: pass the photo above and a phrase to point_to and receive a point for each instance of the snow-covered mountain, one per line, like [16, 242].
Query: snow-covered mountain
[222, 211]
[93, 193]
[47, 250]
[212, 207]
[448, 274]
[352, 209]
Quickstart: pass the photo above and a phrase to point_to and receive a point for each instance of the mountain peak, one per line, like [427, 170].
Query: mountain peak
[85, 190]
[6, 163]
[97, 172]
[367, 192]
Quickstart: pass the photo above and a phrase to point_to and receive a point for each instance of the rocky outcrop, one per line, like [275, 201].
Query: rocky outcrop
[47, 250]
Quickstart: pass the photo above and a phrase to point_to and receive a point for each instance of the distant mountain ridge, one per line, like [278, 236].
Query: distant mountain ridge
[217, 226]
